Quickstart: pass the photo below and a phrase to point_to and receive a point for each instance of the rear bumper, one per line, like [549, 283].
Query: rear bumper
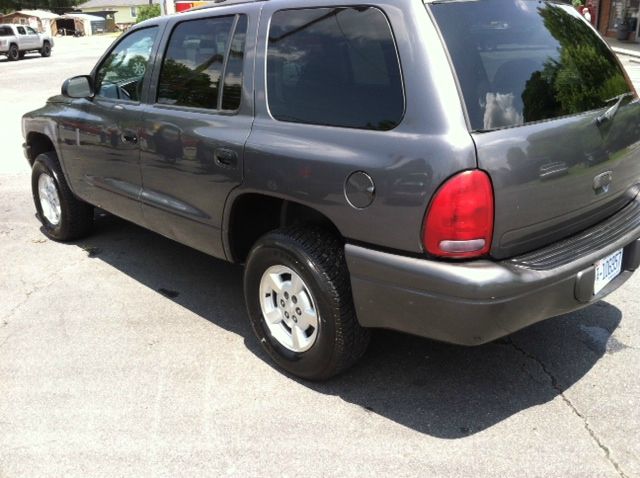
[471, 303]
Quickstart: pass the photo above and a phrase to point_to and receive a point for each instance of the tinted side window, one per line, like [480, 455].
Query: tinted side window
[334, 66]
[121, 74]
[5, 32]
[192, 68]
[22, 31]
[31, 31]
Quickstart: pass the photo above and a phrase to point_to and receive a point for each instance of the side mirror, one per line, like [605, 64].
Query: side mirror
[78, 87]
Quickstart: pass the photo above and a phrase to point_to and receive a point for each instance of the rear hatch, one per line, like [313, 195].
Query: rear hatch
[555, 120]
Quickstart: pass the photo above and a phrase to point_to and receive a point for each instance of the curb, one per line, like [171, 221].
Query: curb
[624, 51]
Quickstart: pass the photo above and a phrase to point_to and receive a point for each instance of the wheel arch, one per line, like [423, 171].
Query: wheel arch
[252, 214]
[38, 143]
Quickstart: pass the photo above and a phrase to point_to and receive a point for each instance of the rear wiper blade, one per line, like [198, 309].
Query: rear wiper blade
[611, 112]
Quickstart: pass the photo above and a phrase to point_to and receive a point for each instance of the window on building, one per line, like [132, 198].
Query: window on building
[121, 74]
[192, 70]
[134, 12]
[335, 67]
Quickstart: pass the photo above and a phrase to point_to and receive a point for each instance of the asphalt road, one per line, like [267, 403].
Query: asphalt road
[127, 354]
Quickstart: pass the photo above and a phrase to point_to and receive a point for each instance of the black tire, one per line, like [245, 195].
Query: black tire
[22, 54]
[318, 258]
[76, 216]
[46, 49]
[14, 53]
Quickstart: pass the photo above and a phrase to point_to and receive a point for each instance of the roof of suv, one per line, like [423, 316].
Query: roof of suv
[222, 3]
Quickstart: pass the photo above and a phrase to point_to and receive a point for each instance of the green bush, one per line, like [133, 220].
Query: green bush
[147, 11]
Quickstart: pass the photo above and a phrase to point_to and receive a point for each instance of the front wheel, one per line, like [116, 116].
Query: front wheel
[63, 216]
[46, 49]
[298, 296]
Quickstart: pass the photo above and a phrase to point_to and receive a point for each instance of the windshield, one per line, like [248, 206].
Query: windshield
[520, 61]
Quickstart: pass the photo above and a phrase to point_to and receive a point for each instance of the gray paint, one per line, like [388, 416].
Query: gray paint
[543, 176]
[476, 302]
[162, 184]
[407, 164]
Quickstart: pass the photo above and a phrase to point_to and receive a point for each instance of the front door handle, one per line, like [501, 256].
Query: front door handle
[226, 158]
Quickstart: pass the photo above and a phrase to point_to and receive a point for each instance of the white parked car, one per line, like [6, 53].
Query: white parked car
[17, 40]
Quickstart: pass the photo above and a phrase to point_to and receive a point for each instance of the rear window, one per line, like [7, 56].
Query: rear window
[335, 67]
[521, 61]
[5, 32]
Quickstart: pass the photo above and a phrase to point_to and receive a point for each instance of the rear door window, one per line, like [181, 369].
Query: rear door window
[335, 67]
[522, 61]
[21, 31]
[193, 70]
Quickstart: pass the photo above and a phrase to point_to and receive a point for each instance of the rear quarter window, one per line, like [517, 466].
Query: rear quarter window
[335, 67]
[522, 61]
[6, 32]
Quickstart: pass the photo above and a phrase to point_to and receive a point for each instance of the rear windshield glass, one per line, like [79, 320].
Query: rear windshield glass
[520, 61]
[5, 32]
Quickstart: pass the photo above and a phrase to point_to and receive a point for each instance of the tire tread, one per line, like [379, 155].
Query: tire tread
[77, 220]
[327, 253]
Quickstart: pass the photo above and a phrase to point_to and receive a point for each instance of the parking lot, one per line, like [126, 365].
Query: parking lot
[127, 354]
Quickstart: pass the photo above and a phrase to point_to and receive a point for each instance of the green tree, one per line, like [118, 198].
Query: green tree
[581, 78]
[148, 11]
[58, 6]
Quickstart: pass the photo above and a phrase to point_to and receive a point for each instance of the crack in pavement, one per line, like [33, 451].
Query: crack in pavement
[569, 403]
[45, 282]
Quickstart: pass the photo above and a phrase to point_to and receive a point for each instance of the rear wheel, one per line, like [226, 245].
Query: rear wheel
[22, 54]
[14, 53]
[63, 216]
[299, 301]
[46, 49]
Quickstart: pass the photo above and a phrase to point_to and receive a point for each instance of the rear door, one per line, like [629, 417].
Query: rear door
[537, 81]
[33, 38]
[196, 126]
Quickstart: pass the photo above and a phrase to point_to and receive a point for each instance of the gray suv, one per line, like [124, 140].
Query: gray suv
[456, 170]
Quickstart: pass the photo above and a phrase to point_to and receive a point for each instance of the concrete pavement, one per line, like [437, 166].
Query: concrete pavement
[127, 354]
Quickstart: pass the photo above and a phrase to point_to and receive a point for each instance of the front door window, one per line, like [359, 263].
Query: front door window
[122, 73]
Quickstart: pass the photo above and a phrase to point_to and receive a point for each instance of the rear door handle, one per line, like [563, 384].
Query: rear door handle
[226, 158]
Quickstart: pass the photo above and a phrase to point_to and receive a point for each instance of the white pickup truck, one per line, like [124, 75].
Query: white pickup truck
[17, 40]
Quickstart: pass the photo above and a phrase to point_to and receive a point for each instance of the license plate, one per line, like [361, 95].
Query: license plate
[607, 269]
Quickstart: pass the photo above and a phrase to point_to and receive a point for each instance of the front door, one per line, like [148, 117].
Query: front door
[100, 136]
[195, 128]
[23, 38]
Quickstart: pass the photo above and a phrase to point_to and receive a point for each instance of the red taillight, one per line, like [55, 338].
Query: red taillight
[459, 222]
